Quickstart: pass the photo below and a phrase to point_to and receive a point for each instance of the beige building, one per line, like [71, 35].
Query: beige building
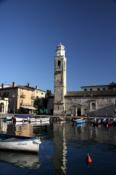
[21, 98]
[4, 106]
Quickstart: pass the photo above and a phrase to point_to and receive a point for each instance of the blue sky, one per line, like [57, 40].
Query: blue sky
[30, 30]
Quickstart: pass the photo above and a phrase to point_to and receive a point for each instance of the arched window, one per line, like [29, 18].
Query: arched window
[1, 107]
[59, 63]
[93, 106]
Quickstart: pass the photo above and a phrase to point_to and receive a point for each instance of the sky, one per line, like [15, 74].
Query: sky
[30, 30]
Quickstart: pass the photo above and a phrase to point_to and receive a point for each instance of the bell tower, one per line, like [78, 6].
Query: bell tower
[59, 80]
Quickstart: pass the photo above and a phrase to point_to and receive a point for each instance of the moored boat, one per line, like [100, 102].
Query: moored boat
[28, 118]
[19, 143]
[80, 120]
[7, 118]
[41, 119]
[22, 117]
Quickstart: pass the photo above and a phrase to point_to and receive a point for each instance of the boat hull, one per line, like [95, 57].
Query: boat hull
[20, 144]
[41, 120]
[80, 121]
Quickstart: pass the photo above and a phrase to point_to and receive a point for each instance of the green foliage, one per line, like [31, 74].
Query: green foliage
[42, 103]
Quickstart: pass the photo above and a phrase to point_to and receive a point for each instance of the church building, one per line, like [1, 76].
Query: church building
[98, 100]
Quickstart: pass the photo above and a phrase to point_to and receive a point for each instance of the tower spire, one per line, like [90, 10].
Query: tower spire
[60, 50]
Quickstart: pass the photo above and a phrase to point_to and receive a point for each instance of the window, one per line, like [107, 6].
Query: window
[93, 106]
[22, 96]
[1, 107]
[98, 89]
[90, 89]
[59, 63]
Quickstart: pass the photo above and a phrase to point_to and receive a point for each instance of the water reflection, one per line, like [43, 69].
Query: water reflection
[99, 134]
[23, 129]
[24, 160]
[64, 147]
[60, 146]
[62, 132]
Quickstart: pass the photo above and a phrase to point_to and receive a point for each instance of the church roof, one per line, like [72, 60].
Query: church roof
[90, 93]
[113, 84]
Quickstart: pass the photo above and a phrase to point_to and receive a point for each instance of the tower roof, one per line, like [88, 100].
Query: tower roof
[60, 47]
[60, 50]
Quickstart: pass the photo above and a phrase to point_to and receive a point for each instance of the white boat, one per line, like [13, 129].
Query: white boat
[7, 118]
[19, 143]
[22, 117]
[19, 119]
[41, 119]
[29, 118]
[40, 124]
[80, 120]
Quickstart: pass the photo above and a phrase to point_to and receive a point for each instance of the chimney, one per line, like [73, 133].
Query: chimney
[28, 84]
[13, 84]
[2, 85]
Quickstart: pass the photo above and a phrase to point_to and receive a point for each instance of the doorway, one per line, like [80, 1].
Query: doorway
[79, 112]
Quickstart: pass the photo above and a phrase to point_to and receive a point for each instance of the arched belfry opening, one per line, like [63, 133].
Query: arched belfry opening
[59, 63]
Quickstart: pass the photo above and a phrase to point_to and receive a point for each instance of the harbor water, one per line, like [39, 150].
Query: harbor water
[63, 150]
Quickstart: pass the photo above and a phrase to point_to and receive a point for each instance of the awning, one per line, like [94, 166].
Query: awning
[28, 107]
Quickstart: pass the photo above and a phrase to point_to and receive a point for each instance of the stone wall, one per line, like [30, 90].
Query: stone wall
[84, 105]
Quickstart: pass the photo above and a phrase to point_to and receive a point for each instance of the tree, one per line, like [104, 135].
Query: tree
[42, 103]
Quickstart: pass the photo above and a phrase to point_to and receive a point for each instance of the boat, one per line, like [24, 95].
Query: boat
[40, 124]
[80, 120]
[7, 118]
[28, 118]
[18, 118]
[19, 143]
[22, 117]
[40, 119]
